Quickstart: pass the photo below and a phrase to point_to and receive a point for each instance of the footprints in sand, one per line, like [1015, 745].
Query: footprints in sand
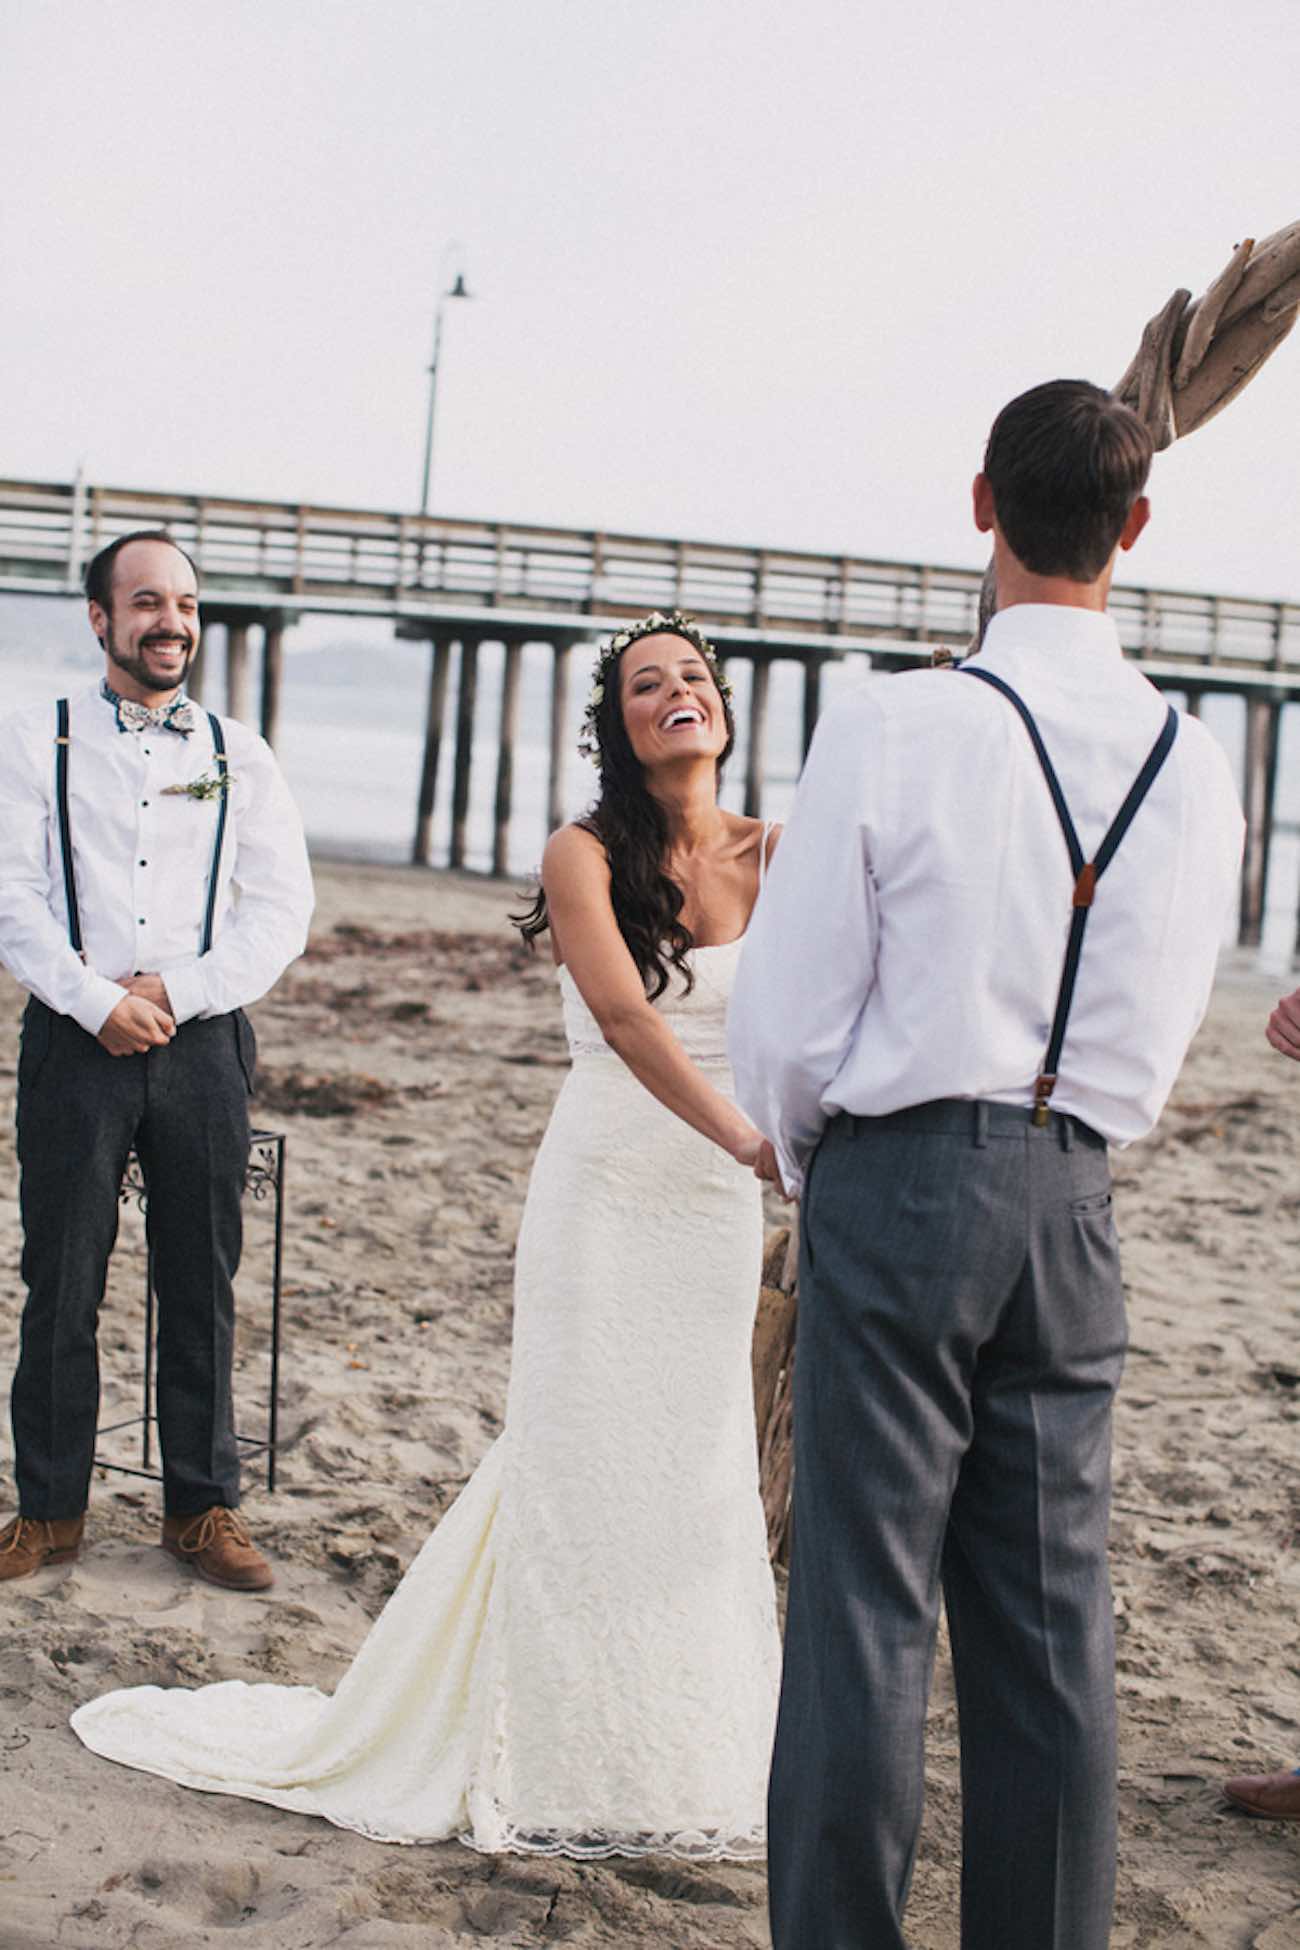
[186, 1896]
[521, 1901]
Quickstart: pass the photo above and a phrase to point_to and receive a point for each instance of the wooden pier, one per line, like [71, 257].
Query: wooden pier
[443, 583]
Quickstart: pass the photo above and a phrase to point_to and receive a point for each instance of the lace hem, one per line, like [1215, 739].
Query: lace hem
[687, 1845]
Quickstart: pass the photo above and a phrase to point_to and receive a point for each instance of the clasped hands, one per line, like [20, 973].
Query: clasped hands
[142, 1020]
[758, 1153]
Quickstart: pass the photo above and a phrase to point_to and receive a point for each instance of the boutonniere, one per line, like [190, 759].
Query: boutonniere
[210, 786]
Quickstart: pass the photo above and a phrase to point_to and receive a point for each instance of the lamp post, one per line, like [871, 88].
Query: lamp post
[456, 290]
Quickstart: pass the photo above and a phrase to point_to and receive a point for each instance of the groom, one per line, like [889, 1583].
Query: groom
[902, 1030]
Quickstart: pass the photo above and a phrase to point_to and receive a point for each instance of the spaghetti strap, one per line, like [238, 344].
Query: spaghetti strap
[768, 824]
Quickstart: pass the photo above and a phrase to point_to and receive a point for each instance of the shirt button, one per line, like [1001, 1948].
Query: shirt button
[144, 802]
[144, 863]
[141, 921]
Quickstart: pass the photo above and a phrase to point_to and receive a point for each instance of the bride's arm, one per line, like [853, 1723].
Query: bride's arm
[575, 874]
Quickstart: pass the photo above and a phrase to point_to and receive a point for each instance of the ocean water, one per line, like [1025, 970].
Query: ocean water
[352, 732]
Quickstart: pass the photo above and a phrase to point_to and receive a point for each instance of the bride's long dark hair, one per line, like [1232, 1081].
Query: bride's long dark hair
[632, 827]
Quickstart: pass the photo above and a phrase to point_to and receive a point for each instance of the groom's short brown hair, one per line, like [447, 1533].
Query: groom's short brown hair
[1066, 461]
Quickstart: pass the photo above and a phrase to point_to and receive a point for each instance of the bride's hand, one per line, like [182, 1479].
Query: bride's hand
[748, 1148]
[767, 1169]
[758, 1153]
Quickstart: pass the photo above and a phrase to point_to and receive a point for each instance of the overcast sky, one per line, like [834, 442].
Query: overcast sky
[748, 270]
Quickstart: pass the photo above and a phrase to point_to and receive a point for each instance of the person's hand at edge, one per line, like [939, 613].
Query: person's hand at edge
[1283, 1030]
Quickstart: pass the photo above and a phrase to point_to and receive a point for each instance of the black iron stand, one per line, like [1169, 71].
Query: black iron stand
[265, 1178]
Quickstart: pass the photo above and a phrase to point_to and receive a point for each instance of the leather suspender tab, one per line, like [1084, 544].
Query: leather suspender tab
[1086, 885]
[1043, 1088]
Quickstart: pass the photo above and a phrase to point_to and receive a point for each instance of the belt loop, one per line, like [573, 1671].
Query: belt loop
[980, 1128]
[1067, 1130]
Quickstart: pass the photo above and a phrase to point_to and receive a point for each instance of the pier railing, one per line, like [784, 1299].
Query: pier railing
[301, 558]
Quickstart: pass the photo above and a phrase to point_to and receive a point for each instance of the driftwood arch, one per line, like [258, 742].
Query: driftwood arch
[1196, 355]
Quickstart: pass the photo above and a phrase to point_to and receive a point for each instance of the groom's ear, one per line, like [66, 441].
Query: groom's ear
[1138, 517]
[981, 495]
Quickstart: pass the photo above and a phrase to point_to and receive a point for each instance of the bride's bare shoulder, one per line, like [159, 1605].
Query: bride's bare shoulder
[573, 850]
[572, 843]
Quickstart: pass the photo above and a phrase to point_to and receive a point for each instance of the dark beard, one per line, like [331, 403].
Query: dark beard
[137, 667]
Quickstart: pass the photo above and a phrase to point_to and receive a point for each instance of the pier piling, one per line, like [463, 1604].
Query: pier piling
[760, 673]
[812, 698]
[272, 674]
[1263, 727]
[466, 697]
[237, 690]
[435, 712]
[509, 730]
[561, 660]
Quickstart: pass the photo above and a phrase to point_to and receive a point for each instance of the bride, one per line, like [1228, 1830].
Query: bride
[583, 1658]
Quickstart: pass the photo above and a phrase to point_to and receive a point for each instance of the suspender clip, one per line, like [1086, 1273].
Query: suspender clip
[1043, 1088]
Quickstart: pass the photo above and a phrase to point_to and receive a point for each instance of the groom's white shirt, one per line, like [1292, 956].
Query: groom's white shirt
[909, 940]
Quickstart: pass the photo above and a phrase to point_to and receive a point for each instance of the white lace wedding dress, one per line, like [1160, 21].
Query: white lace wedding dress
[583, 1658]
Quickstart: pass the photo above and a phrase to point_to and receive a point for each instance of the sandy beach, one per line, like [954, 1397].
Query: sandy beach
[411, 1058]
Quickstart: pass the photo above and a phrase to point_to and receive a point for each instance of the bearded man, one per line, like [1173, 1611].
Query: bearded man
[153, 881]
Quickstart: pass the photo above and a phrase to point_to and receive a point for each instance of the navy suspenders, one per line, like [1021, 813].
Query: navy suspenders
[61, 746]
[223, 800]
[65, 836]
[1086, 872]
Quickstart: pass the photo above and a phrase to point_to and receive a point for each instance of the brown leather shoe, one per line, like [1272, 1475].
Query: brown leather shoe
[1275, 1795]
[30, 1543]
[217, 1544]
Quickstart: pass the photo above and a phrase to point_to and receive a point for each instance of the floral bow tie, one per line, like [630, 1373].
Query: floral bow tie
[176, 716]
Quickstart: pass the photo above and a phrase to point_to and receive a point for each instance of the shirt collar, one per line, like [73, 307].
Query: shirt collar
[1053, 627]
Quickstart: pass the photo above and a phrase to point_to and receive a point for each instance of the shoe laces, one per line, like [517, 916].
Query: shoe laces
[20, 1532]
[214, 1524]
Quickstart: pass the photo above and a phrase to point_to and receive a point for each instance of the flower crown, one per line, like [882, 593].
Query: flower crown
[657, 623]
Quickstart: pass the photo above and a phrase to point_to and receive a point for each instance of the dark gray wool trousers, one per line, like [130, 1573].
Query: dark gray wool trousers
[184, 1108]
[961, 1337]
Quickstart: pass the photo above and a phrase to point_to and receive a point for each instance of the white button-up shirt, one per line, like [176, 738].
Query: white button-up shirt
[143, 858]
[909, 942]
